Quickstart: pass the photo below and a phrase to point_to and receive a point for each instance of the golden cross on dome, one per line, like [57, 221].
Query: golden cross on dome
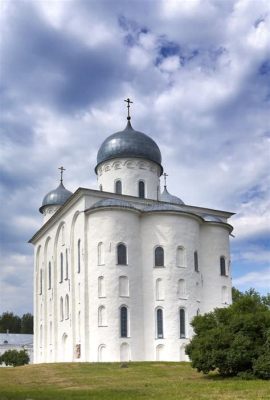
[62, 169]
[128, 106]
[165, 179]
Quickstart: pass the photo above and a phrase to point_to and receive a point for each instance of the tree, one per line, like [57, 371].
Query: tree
[10, 322]
[27, 323]
[15, 358]
[233, 340]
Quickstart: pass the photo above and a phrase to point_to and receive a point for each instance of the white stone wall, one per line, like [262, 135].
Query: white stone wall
[169, 231]
[130, 171]
[78, 332]
[112, 227]
[214, 244]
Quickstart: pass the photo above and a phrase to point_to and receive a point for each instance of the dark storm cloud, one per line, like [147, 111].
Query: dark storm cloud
[48, 66]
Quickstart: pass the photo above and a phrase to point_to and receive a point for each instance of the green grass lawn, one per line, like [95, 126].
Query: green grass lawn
[107, 381]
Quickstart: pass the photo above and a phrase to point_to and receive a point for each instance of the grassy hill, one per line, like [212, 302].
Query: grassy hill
[107, 381]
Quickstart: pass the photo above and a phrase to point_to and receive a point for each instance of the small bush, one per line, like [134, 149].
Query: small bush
[15, 358]
[261, 366]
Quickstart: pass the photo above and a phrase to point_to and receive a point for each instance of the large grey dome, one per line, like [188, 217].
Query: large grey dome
[129, 143]
[56, 197]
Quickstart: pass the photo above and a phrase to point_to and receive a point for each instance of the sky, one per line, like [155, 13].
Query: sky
[198, 72]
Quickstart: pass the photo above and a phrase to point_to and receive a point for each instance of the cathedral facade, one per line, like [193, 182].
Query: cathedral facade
[121, 271]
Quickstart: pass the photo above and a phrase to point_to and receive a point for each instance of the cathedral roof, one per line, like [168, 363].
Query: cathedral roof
[169, 198]
[56, 197]
[112, 203]
[212, 218]
[129, 143]
[162, 207]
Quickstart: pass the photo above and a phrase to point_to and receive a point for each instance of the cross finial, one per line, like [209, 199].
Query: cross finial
[165, 179]
[62, 169]
[128, 101]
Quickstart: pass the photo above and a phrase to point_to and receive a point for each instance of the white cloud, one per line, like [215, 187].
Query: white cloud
[257, 280]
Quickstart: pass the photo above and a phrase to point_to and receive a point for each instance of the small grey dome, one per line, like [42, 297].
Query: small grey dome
[112, 203]
[56, 197]
[129, 143]
[169, 198]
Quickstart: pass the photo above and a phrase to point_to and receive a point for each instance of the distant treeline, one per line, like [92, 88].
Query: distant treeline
[15, 324]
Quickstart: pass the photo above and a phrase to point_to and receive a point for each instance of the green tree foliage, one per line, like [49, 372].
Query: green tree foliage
[27, 323]
[15, 324]
[233, 340]
[10, 322]
[15, 358]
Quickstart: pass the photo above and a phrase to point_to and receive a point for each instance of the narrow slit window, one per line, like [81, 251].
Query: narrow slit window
[49, 276]
[79, 256]
[123, 321]
[66, 264]
[222, 266]
[61, 267]
[196, 261]
[66, 307]
[141, 189]
[159, 323]
[100, 253]
[182, 316]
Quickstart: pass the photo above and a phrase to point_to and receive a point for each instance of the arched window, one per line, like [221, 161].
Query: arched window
[198, 312]
[141, 189]
[123, 321]
[159, 323]
[49, 276]
[50, 306]
[63, 235]
[66, 264]
[182, 289]
[101, 286]
[101, 352]
[66, 307]
[61, 267]
[124, 352]
[79, 325]
[41, 335]
[100, 253]
[100, 188]
[121, 254]
[180, 257]
[196, 262]
[159, 257]
[61, 309]
[160, 352]
[118, 187]
[222, 264]
[102, 316]
[123, 286]
[79, 255]
[50, 335]
[159, 289]
[198, 292]
[224, 294]
[40, 281]
[182, 319]
[79, 292]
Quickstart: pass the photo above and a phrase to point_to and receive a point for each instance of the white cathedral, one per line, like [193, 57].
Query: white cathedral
[121, 271]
